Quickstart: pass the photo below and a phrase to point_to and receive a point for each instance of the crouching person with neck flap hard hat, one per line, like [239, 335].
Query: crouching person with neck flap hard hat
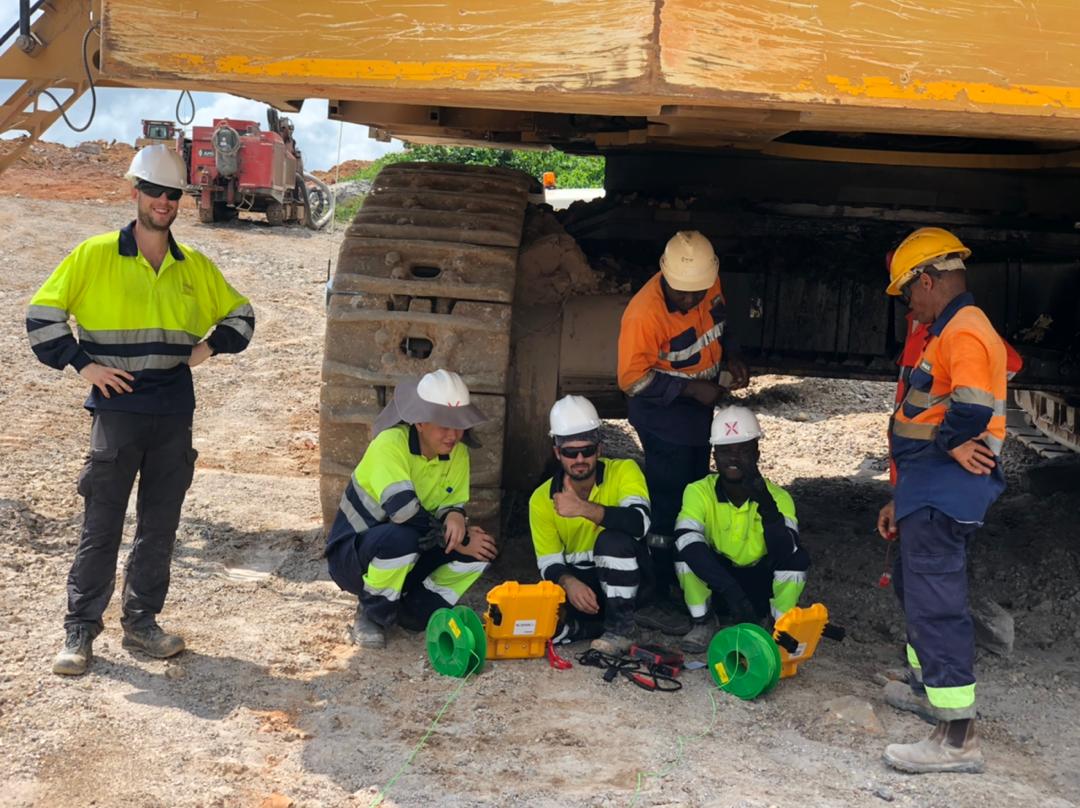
[737, 538]
[673, 345]
[946, 437]
[588, 525]
[400, 541]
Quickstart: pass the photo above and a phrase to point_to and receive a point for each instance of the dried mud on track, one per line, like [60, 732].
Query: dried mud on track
[270, 706]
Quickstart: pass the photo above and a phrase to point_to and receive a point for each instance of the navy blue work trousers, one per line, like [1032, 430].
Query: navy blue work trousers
[930, 576]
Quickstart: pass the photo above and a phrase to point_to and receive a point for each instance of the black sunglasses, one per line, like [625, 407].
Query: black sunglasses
[570, 452]
[154, 191]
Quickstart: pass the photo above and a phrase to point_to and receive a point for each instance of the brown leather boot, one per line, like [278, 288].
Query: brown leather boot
[951, 747]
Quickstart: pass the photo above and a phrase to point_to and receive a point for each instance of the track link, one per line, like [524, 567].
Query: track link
[1051, 426]
[425, 279]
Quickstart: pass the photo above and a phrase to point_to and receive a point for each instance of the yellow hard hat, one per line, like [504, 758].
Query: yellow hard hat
[689, 263]
[920, 249]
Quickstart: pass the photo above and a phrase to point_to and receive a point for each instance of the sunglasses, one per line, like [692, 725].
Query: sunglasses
[570, 452]
[154, 191]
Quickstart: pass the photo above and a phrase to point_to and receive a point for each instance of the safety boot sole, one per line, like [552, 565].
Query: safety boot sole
[976, 766]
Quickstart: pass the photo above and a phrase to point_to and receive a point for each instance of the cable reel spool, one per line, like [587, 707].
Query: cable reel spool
[456, 642]
[744, 661]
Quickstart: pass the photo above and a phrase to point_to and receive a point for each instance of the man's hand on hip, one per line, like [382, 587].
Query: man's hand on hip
[104, 378]
[974, 456]
[200, 353]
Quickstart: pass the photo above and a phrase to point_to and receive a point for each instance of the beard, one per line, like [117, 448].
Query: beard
[146, 220]
[581, 476]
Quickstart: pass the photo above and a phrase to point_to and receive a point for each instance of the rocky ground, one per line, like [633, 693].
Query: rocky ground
[270, 707]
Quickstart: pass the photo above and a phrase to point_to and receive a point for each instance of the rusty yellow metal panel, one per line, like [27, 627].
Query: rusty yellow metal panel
[556, 45]
[1004, 56]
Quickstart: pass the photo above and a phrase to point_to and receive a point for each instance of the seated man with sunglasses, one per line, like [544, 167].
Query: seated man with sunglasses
[144, 306]
[588, 525]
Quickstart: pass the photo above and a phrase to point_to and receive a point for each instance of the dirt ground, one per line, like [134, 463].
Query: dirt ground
[270, 707]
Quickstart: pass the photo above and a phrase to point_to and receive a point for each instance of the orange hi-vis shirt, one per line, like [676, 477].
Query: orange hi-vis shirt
[956, 393]
[918, 334]
[660, 349]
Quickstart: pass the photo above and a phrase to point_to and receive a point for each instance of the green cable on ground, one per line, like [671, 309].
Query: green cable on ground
[423, 740]
[744, 660]
[457, 646]
[680, 747]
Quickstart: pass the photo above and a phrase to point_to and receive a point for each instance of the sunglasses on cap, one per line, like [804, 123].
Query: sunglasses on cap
[570, 452]
[154, 191]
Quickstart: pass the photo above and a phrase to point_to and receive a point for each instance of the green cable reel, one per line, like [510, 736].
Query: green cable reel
[456, 643]
[744, 661]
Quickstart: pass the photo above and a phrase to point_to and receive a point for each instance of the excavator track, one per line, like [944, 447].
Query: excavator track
[1050, 424]
[425, 279]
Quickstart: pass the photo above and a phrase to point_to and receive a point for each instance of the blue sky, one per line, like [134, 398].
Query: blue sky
[120, 112]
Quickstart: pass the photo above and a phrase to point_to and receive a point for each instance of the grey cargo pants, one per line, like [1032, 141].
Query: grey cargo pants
[123, 444]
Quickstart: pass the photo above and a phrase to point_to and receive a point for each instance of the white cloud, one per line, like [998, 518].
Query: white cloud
[120, 112]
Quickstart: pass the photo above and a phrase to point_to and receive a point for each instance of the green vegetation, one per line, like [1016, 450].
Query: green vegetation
[570, 171]
[343, 214]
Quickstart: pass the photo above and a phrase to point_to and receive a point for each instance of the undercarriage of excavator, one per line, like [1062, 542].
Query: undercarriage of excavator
[454, 266]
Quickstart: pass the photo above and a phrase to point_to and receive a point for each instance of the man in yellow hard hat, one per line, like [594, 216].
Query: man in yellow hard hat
[946, 439]
[673, 346]
[148, 310]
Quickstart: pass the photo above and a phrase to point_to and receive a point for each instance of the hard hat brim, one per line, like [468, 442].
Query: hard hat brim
[687, 286]
[408, 406]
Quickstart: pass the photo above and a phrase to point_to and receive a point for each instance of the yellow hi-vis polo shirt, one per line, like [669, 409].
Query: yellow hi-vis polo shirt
[561, 543]
[733, 531]
[135, 319]
[393, 482]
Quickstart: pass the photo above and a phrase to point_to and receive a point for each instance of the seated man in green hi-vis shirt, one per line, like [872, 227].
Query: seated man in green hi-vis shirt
[400, 541]
[736, 538]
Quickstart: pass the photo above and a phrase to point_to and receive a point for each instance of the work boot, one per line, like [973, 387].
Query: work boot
[152, 641]
[366, 632]
[409, 621]
[611, 644]
[77, 652]
[700, 635]
[903, 696]
[951, 747]
[663, 616]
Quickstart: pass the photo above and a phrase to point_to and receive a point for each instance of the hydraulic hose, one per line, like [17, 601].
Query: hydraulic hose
[327, 194]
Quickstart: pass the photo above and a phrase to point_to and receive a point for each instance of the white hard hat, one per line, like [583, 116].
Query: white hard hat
[734, 425]
[443, 387]
[439, 397]
[159, 164]
[573, 415]
[689, 263]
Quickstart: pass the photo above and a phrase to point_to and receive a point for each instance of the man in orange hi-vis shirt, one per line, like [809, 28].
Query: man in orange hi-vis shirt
[673, 345]
[946, 438]
[917, 336]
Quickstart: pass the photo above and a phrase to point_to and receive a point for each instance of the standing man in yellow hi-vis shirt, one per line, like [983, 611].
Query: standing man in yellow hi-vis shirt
[588, 526]
[400, 541]
[144, 305]
[737, 538]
